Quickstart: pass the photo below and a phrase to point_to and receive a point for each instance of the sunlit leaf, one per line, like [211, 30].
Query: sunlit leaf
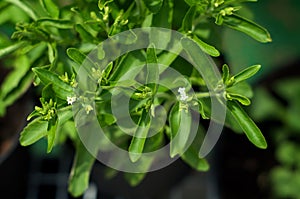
[246, 26]
[252, 132]
[51, 135]
[211, 50]
[187, 23]
[139, 138]
[51, 8]
[180, 122]
[246, 74]
[34, 131]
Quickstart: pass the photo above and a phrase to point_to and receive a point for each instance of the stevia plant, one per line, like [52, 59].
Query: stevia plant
[51, 40]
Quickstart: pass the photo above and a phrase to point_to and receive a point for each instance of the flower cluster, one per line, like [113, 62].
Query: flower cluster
[183, 95]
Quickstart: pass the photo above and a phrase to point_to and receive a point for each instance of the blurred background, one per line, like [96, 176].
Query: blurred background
[239, 170]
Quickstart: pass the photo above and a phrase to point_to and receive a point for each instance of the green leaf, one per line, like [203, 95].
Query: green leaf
[191, 157]
[211, 50]
[13, 79]
[153, 5]
[61, 93]
[16, 83]
[180, 122]
[134, 178]
[52, 126]
[12, 48]
[164, 17]
[24, 7]
[82, 61]
[130, 62]
[225, 74]
[242, 88]
[201, 62]
[52, 53]
[56, 23]
[252, 132]
[80, 173]
[152, 69]
[246, 74]
[139, 138]
[84, 34]
[76, 55]
[252, 29]
[187, 23]
[34, 131]
[202, 109]
[49, 77]
[50, 7]
[240, 98]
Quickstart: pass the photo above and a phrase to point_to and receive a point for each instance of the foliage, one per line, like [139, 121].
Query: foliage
[284, 177]
[51, 41]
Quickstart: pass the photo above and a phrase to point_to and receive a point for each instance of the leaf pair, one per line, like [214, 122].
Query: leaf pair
[234, 95]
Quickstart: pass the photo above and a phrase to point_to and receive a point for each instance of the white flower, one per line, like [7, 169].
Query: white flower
[181, 90]
[71, 100]
[183, 95]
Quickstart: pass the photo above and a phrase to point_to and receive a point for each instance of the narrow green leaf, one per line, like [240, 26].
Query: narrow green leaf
[84, 34]
[24, 7]
[15, 84]
[57, 23]
[49, 77]
[52, 126]
[191, 157]
[201, 62]
[129, 62]
[10, 49]
[134, 178]
[64, 114]
[61, 93]
[164, 17]
[52, 52]
[180, 122]
[139, 138]
[51, 8]
[202, 109]
[85, 63]
[80, 173]
[225, 74]
[153, 5]
[246, 74]
[244, 25]
[211, 50]
[240, 98]
[34, 131]
[187, 23]
[252, 132]
[76, 55]
[14, 78]
[152, 68]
